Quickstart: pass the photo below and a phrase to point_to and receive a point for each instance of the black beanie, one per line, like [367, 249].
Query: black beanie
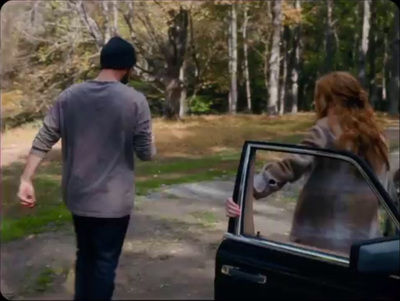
[117, 54]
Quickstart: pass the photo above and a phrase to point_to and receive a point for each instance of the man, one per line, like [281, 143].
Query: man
[102, 122]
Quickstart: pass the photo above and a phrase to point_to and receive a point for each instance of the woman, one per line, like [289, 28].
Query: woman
[323, 217]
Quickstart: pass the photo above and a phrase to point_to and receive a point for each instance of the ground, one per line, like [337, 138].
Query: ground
[175, 228]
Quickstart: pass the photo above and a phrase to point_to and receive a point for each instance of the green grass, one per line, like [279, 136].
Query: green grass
[44, 220]
[50, 214]
[44, 280]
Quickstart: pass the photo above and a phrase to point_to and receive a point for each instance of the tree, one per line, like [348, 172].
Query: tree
[273, 89]
[284, 67]
[364, 42]
[185, 50]
[107, 25]
[233, 58]
[329, 38]
[115, 11]
[182, 99]
[372, 55]
[160, 32]
[246, 56]
[295, 61]
[385, 64]
[175, 57]
[88, 21]
[395, 79]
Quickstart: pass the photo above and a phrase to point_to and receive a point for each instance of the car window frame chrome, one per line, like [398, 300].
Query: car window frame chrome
[250, 148]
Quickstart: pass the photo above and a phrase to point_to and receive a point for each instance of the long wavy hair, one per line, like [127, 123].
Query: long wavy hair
[360, 132]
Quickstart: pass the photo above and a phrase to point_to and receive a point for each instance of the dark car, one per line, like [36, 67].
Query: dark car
[257, 260]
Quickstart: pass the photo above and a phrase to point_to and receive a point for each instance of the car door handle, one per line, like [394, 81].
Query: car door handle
[237, 273]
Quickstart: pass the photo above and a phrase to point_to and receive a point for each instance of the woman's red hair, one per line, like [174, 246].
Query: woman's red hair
[360, 131]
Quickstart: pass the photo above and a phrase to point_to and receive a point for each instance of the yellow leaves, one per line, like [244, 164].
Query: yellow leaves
[10, 101]
[290, 15]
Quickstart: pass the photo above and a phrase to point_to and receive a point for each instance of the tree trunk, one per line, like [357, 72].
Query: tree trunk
[329, 38]
[266, 73]
[267, 56]
[246, 59]
[284, 68]
[295, 61]
[385, 67]
[233, 58]
[372, 56]
[182, 100]
[395, 79]
[34, 13]
[364, 42]
[115, 8]
[106, 13]
[172, 97]
[273, 89]
[175, 58]
[230, 61]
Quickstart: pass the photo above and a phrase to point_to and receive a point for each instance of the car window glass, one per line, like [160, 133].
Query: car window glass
[328, 206]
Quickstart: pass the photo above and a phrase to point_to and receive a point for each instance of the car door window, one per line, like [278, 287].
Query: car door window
[325, 204]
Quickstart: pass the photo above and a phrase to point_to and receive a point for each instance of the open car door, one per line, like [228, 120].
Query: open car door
[258, 260]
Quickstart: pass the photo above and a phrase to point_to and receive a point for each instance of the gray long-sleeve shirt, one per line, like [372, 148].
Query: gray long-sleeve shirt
[101, 126]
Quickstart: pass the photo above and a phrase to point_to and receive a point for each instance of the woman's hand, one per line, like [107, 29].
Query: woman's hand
[231, 208]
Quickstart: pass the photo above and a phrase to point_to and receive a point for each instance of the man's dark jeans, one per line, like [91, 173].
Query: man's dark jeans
[99, 245]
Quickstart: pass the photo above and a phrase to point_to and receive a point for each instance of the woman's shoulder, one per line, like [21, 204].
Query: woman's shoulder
[322, 122]
[323, 125]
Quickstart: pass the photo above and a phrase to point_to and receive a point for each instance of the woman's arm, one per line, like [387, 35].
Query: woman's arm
[274, 176]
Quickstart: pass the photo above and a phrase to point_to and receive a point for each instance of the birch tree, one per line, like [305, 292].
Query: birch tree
[233, 58]
[372, 55]
[329, 38]
[395, 79]
[364, 42]
[295, 61]
[273, 89]
[246, 57]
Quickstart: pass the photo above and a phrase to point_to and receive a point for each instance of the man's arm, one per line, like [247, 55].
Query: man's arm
[47, 136]
[144, 145]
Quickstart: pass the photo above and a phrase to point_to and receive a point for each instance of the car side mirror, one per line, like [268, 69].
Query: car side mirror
[376, 257]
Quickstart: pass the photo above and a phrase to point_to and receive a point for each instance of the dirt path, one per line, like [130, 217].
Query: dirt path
[169, 253]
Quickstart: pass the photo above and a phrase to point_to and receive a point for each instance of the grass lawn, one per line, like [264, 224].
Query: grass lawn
[198, 149]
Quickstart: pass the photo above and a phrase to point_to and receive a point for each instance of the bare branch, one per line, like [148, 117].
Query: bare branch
[106, 13]
[115, 11]
[144, 70]
[165, 11]
[90, 24]
[152, 33]
[128, 19]
[193, 49]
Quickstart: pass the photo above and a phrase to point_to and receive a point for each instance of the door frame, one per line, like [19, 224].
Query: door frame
[235, 228]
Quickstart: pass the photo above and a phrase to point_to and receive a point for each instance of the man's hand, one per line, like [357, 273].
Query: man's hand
[26, 193]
